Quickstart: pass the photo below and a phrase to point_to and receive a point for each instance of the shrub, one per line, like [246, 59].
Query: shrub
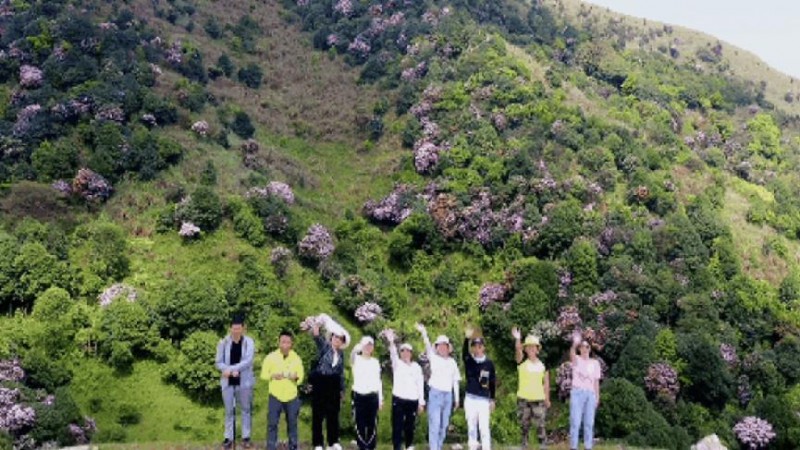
[634, 360]
[203, 208]
[251, 75]
[190, 305]
[711, 381]
[242, 125]
[128, 414]
[191, 369]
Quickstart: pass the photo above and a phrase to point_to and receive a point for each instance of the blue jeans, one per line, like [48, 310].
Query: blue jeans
[440, 405]
[582, 406]
[276, 407]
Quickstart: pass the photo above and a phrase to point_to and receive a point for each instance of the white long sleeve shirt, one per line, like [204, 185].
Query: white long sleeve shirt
[367, 376]
[408, 381]
[445, 375]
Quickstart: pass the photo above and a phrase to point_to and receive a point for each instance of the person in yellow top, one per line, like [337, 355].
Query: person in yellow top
[283, 368]
[533, 393]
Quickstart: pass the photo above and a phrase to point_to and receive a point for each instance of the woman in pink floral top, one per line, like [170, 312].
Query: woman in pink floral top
[585, 393]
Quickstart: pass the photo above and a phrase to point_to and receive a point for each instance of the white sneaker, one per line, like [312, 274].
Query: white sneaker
[318, 448]
[336, 446]
[410, 448]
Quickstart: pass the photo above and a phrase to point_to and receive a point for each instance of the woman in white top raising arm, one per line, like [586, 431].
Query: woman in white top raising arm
[408, 393]
[367, 393]
[443, 396]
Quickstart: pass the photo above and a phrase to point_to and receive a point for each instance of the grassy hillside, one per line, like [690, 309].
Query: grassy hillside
[547, 165]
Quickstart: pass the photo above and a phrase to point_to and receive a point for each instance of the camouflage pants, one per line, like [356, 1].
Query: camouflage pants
[529, 412]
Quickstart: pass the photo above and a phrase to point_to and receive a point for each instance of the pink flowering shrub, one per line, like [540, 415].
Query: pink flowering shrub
[280, 257]
[200, 128]
[662, 380]
[754, 433]
[491, 293]
[317, 245]
[115, 291]
[189, 231]
[368, 312]
[30, 77]
[91, 186]
[11, 370]
[568, 321]
[394, 208]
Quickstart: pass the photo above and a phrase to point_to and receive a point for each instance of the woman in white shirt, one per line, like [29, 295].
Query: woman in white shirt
[443, 383]
[367, 393]
[408, 393]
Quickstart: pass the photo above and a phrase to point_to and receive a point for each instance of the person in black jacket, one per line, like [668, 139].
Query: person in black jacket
[327, 381]
[479, 397]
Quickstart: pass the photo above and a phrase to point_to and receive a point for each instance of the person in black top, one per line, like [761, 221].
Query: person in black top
[327, 381]
[234, 360]
[480, 392]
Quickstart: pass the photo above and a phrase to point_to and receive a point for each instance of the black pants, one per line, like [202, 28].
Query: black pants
[325, 404]
[404, 419]
[365, 410]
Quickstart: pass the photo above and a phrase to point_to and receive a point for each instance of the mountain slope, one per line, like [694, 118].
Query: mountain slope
[495, 163]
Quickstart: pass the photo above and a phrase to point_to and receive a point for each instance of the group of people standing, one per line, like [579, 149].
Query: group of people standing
[283, 370]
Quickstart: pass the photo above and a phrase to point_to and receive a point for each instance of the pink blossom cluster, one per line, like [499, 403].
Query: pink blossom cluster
[73, 108]
[30, 77]
[15, 417]
[546, 330]
[415, 73]
[359, 47]
[174, 54]
[110, 113]
[303, 3]
[82, 433]
[149, 120]
[91, 186]
[388, 334]
[200, 128]
[317, 244]
[569, 321]
[189, 230]
[394, 208]
[754, 433]
[728, 354]
[276, 189]
[499, 121]
[344, 7]
[368, 312]
[564, 281]
[491, 293]
[115, 291]
[426, 156]
[662, 380]
[603, 298]
[332, 40]
[25, 117]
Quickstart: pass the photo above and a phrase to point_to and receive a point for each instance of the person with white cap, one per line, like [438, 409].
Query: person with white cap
[584, 398]
[367, 393]
[480, 390]
[327, 381]
[408, 393]
[533, 390]
[443, 382]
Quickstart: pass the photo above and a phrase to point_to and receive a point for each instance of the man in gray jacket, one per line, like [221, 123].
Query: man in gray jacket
[234, 360]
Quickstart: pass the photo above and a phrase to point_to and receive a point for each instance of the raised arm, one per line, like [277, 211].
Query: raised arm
[518, 353]
[573, 350]
[428, 347]
[465, 354]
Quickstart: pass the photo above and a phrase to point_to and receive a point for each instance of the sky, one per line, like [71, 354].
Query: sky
[768, 28]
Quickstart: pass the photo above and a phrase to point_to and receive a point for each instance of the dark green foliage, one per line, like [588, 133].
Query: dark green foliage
[55, 161]
[209, 175]
[251, 75]
[226, 65]
[787, 358]
[785, 422]
[564, 226]
[711, 380]
[582, 263]
[242, 125]
[100, 250]
[43, 371]
[634, 360]
[52, 421]
[126, 331]
[276, 217]
[213, 28]
[204, 209]
[36, 270]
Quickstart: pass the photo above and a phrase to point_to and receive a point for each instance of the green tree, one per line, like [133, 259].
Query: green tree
[636, 357]
[565, 224]
[242, 125]
[582, 263]
[251, 75]
[55, 161]
[37, 270]
[193, 369]
[766, 136]
[189, 305]
[711, 381]
[100, 254]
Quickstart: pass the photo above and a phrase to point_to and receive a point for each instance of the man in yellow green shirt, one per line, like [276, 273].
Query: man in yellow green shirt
[533, 392]
[283, 369]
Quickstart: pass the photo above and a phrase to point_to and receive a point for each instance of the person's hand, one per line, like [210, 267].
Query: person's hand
[516, 333]
[380, 406]
[315, 329]
[389, 336]
[455, 405]
[226, 373]
[597, 403]
[293, 376]
[492, 406]
[468, 332]
[420, 327]
[547, 403]
[577, 337]
[277, 376]
[235, 374]
[420, 409]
